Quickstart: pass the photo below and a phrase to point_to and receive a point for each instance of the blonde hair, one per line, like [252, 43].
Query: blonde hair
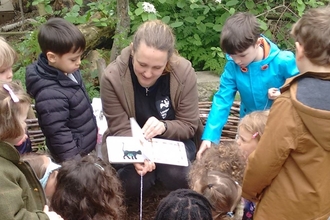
[255, 122]
[156, 34]
[223, 193]
[312, 31]
[10, 125]
[8, 56]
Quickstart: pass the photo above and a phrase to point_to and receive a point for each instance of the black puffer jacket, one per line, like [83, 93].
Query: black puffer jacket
[64, 110]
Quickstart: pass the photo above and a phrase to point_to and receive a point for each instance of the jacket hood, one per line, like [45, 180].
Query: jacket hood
[312, 102]
[41, 71]
[274, 50]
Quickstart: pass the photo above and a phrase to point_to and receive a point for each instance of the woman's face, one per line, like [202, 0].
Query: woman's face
[246, 141]
[149, 64]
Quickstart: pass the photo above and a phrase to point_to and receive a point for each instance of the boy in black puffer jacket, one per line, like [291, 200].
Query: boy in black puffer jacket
[63, 107]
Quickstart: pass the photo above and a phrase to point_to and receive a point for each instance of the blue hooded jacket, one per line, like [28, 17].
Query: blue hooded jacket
[252, 86]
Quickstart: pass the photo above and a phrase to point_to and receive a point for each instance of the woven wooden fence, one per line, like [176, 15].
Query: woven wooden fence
[230, 129]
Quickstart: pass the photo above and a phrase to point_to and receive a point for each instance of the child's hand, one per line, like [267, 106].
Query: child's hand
[52, 215]
[143, 168]
[273, 93]
[205, 145]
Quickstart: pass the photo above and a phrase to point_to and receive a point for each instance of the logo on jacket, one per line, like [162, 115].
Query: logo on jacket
[164, 107]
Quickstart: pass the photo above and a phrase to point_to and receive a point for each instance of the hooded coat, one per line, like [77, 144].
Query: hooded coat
[252, 85]
[64, 110]
[288, 173]
[21, 194]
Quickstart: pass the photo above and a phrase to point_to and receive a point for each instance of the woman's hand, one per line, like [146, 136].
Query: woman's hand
[143, 168]
[204, 146]
[153, 127]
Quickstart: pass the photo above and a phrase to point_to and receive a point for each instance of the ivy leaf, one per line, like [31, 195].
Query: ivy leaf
[166, 19]
[190, 19]
[217, 27]
[232, 3]
[263, 25]
[201, 27]
[176, 24]
[138, 11]
[249, 4]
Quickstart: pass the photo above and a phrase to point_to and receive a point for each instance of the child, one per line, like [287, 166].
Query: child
[64, 110]
[184, 204]
[223, 193]
[45, 169]
[88, 188]
[288, 173]
[256, 68]
[21, 193]
[225, 159]
[8, 57]
[250, 130]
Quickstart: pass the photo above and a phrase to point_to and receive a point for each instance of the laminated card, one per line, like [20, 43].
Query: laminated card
[136, 149]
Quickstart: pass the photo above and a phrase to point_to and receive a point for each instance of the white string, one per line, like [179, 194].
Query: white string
[141, 192]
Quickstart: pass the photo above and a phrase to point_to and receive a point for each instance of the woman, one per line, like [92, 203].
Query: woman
[151, 83]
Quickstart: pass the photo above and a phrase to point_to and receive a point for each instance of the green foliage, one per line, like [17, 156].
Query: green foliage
[198, 23]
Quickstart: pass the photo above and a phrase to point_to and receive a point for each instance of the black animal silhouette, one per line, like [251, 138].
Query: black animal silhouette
[130, 154]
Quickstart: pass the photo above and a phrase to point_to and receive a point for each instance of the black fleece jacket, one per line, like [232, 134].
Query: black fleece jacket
[64, 110]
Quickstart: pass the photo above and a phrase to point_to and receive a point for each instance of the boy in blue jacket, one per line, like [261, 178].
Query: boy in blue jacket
[63, 107]
[256, 68]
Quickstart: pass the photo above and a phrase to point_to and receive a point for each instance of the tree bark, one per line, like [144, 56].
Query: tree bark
[122, 29]
[95, 35]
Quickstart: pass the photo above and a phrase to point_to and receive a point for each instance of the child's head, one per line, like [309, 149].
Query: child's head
[250, 129]
[226, 158]
[45, 169]
[239, 38]
[222, 192]
[184, 204]
[14, 106]
[88, 188]
[311, 33]
[8, 56]
[62, 43]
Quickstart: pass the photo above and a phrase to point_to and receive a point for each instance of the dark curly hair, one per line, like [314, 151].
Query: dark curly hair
[88, 189]
[184, 204]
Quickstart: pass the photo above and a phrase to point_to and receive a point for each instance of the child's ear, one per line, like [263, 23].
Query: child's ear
[51, 57]
[300, 52]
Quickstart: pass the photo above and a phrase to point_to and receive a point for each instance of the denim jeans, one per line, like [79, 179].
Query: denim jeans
[171, 176]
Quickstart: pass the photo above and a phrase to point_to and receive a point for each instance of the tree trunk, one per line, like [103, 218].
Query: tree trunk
[95, 35]
[122, 28]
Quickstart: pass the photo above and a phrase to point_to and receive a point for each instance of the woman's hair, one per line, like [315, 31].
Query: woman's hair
[8, 56]
[10, 125]
[156, 34]
[226, 158]
[36, 162]
[312, 31]
[239, 32]
[255, 122]
[184, 204]
[88, 189]
[222, 192]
